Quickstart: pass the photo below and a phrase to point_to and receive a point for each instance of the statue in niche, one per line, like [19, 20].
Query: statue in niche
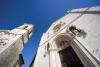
[76, 30]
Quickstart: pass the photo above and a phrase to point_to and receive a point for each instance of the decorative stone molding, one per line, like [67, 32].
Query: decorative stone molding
[62, 37]
[55, 29]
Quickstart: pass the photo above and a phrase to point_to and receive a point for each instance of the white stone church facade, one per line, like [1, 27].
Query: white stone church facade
[71, 41]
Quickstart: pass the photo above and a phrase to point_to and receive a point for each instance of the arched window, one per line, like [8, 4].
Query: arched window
[48, 47]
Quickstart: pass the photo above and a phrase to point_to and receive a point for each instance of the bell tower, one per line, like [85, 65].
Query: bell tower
[11, 44]
[25, 31]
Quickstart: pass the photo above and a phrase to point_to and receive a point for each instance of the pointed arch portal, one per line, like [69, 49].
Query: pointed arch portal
[67, 55]
[69, 52]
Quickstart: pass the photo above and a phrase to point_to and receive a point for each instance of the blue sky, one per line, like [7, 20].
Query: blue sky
[41, 13]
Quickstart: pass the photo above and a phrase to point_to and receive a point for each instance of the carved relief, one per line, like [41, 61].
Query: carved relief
[5, 36]
[57, 27]
[76, 30]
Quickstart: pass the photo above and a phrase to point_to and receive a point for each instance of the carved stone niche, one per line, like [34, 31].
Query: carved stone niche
[73, 29]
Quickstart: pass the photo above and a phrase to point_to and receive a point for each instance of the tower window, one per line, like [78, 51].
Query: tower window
[30, 32]
[25, 27]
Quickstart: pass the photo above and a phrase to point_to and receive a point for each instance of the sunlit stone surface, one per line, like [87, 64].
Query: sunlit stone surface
[80, 28]
[11, 44]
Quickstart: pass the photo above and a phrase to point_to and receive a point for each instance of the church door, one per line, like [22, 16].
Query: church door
[69, 58]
